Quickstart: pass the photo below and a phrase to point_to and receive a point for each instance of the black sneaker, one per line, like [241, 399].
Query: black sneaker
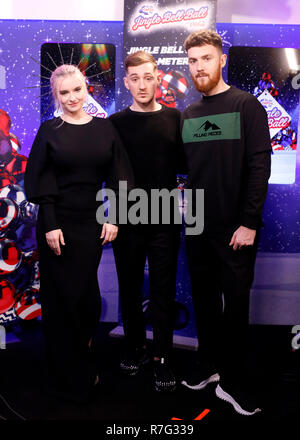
[201, 377]
[164, 379]
[134, 360]
[241, 403]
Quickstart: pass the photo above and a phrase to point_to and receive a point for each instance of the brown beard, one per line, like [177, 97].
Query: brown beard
[210, 85]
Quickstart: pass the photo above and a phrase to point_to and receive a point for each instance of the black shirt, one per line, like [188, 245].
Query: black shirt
[68, 164]
[153, 144]
[227, 144]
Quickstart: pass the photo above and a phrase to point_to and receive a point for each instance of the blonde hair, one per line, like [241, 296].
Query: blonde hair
[138, 58]
[61, 72]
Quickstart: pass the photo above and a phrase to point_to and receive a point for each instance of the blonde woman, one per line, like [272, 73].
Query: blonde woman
[71, 157]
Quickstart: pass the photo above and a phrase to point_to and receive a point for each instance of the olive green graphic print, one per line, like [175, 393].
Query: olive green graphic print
[212, 128]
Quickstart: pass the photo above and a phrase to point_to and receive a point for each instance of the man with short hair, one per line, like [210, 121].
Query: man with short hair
[227, 145]
[150, 133]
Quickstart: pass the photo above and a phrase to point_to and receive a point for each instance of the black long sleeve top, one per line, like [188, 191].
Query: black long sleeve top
[227, 144]
[68, 164]
[153, 144]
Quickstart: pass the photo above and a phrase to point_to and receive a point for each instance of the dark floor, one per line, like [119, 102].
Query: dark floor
[131, 401]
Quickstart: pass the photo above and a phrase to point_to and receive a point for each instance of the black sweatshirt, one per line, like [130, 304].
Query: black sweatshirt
[153, 144]
[68, 164]
[227, 144]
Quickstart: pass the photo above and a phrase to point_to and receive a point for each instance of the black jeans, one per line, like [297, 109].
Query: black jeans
[133, 244]
[221, 279]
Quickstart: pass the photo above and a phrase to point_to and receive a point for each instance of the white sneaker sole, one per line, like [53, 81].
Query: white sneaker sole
[228, 398]
[203, 384]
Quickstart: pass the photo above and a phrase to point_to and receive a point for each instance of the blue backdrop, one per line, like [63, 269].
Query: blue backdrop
[275, 295]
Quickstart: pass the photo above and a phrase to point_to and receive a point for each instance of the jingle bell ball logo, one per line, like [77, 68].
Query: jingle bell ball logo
[149, 17]
[278, 118]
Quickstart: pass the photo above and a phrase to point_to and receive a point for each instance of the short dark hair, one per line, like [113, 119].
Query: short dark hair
[138, 58]
[200, 38]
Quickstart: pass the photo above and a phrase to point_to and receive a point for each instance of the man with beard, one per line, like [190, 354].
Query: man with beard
[227, 144]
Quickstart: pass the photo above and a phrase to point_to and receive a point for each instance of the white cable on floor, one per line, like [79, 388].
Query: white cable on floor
[11, 409]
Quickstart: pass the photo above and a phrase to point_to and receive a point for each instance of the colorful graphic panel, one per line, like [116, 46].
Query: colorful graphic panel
[268, 73]
[160, 28]
[96, 61]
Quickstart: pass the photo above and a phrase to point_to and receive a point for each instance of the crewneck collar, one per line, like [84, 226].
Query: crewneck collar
[154, 112]
[217, 95]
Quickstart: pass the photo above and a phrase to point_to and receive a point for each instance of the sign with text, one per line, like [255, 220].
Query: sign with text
[266, 73]
[278, 118]
[160, 28]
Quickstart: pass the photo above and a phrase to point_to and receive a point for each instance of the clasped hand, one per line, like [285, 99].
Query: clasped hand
[55, 238]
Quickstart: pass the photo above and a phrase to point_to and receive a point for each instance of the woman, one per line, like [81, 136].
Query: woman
[71, 157]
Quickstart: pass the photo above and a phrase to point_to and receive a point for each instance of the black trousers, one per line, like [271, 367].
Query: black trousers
[133, 244]
[71, 305]
[221, 279]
